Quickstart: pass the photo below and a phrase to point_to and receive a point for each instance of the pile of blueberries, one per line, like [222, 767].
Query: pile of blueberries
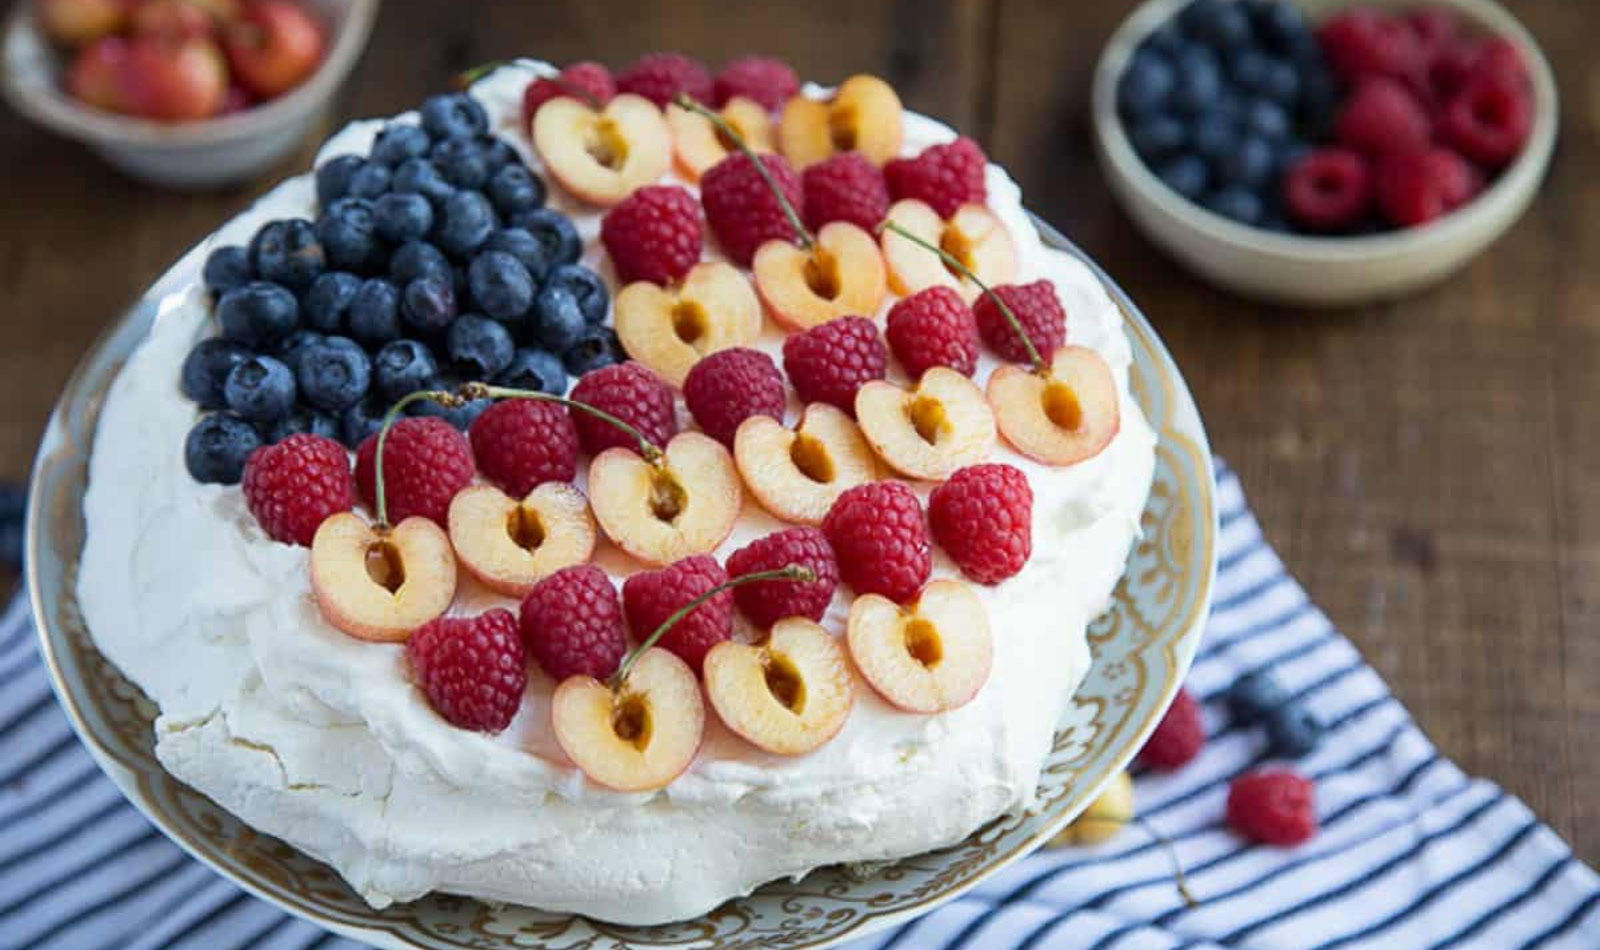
[1223, 99]
[432, 261]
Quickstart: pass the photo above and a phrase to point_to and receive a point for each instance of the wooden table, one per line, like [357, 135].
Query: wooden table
[1430, 469]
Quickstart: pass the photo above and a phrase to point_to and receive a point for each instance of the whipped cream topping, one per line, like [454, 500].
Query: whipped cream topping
[322, 740]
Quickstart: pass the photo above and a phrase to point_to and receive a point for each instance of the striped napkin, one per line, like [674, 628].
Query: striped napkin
[1411, 854]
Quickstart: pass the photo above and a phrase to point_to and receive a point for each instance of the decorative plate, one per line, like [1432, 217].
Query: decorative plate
[1142, 648]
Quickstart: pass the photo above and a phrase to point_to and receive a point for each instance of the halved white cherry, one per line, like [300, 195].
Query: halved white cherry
[930, 656]
[381, 585]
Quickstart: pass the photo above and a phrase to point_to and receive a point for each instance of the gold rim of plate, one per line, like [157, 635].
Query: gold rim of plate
[1142, 648]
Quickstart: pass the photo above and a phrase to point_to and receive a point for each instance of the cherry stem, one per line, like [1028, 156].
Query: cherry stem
[791, 572]
[801, 234]
[449, 400]
[965, 271]
[650, 451]
[1172, 854]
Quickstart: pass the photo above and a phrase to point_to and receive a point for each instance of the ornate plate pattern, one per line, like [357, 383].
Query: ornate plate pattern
[1142, 648]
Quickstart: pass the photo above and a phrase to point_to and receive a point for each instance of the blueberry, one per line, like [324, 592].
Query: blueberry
[419, 176]
[401, 367]
[454, 116]
[1254, 695]
[369, 181]
[257, 313]
[334, 175]
[349, 236]
[500, 284]
[1187, 174]
[333, 376]
[1319, 98]
[375, 312]
[1213, 136]
[227, 268]
[585, 286]
[402, 217]
[596, 347]
[534, 369]
[416, 259]
[1266, 119]
[428, 304]
[361, 420]
[467, 220]
[479, 348]
[289, 348]
[557, 321]
[1289, 154]
[523, 246]
[1249, 164]
[303, 420]
[287, 252]
[217, 446]
[207, 367]
[1236, 202]
[1221, 24]
[554, 231]
[260, 389]
[1281, 26]
[1147, 83]
[513, 188]
[1199, 80]
[1248, 69]
[1281, 83]
[326, 305]
[1167, 40]
[1293, 731]
[398, 142]
[1156, 136]
[498, 153]
[461, 162]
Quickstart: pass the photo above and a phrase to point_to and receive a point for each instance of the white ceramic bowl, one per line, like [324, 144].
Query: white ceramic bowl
[1319, 271]
[199, 154]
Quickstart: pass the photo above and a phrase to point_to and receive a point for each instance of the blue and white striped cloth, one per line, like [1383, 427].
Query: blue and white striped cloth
[1412, 853]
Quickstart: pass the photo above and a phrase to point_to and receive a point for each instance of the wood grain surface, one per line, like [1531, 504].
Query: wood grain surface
[1429, 469]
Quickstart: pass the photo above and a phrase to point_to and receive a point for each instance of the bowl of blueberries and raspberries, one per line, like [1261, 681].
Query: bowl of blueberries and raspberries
[1324, 152]
[432, 261]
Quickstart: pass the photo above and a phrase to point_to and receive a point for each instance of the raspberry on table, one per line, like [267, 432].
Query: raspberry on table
[650, 597]
[729, 386]
[1178, 737]
[1416, 187]
[845, 187]
[983, 518]
[1328, 190]
[653, 235]
[1380, 117]
[765, 79]
[293, 486]
[472, 669]
[586, 79]
[945, 176]
[425, 463]
[1488, 122]
[633, 394]
[520, 444]
[742, 211]
[933, 327]
[572, 623]
[1037, 309]
[880, 540]
[829, 363]
[1273, 806]
[659, 77]
[767, 602]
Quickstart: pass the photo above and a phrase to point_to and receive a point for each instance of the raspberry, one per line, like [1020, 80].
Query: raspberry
[742, 211]
[1328, 190]
[1488, 122]
[983, 518]
[880, 540]
[767, 602]
[579, 80]
[830, 362]
[1500, 59]
[650, 597]
[1274, 806]
[293, 486]
[845, 187]
[572, 623]
[1382, 116]
[1178, 737]
[1417, 187]
[1364, 44]
[933, 327]
[1434, 27]
[520, 444]
[659, 77]
[1038, 310]
[654, 234]
[730, 386]
[944, 176]
[425, 462]
[767, 80]
[1449, 69]
[631, 393]
[471, 668]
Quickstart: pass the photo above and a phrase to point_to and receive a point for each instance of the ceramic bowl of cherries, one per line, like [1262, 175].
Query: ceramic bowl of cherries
[1319, 152]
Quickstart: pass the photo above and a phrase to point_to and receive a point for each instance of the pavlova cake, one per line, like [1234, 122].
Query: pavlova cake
[611, 494]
